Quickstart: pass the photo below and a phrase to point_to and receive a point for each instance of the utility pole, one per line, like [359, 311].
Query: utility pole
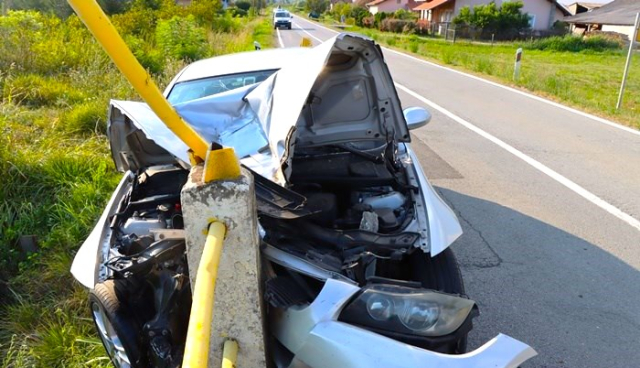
[629, 56]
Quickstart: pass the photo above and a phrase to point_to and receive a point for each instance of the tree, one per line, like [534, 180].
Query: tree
[505, 21]
[317, 6]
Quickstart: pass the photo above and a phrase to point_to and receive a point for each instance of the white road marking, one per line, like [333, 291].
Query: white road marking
[531, 161]
[534, 97]
[305, 31]
[279, 38]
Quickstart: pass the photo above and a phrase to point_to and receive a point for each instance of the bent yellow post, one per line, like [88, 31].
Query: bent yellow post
[196, 351]
[98, 23]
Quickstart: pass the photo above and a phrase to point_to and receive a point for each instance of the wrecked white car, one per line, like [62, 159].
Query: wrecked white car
[355, 240]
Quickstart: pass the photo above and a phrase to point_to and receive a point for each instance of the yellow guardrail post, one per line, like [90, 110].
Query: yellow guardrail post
[196, 352]
[100, 26]
[229, 354]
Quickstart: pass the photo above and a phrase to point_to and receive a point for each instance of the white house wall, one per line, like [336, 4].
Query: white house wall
[389, 6]
[626, 30]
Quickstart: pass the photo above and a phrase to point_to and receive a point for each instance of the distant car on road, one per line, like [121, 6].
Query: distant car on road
[314, 15]
[282, 19]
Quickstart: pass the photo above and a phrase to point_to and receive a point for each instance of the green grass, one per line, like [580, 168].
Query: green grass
[57, 172]
[588, 80]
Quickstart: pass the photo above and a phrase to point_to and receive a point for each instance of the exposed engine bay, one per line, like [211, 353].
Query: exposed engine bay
[355, 216]
[147, 263]
[339, 197]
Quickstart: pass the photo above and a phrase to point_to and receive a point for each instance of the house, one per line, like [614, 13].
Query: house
[617, 16]
[390, 6]
[543, 13]
[580, 7]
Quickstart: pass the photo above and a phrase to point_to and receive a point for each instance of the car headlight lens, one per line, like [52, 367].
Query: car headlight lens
[419, 315]
[380, 307]
[401, 309]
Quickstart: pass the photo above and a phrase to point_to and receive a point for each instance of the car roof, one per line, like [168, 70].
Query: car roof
[238, 63]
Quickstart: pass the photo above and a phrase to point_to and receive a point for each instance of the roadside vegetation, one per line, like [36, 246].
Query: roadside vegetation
[57, 174]
[584, 72]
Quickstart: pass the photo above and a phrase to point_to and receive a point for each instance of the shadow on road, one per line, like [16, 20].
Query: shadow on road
[576, 304]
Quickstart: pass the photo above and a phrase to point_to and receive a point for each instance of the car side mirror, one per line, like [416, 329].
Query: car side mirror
[416, 117]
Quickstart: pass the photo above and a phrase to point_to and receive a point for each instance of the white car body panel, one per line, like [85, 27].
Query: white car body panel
[257, 122]
[444, 227]
[86, 261]
[317, 339]
[272, 59]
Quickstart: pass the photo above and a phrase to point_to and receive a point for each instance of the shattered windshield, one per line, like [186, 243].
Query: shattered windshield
[195, 89]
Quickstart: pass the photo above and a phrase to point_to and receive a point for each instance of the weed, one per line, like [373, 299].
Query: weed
[36, 91]
[87, 117]
[574, 44]
[57, 173]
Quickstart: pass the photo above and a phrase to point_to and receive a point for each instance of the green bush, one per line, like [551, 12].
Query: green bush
[35, 91]
[397, 25]
[237, 12]
[151, 58]
[181, 38]
[378, 18]
[87, 117]
[205, 11]
[506, 21]
[368, 22]
[574, 44]
[405, 15]
[139, 21]
[422, 27]
[318, 6]
[226, 24]
[244, 5]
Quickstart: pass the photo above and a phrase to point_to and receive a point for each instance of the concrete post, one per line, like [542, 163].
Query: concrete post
[238, 308]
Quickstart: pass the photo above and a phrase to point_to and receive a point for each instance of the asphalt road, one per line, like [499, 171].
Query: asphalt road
[549, 200]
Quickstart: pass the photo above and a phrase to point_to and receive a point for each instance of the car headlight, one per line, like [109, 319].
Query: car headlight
[407, 310]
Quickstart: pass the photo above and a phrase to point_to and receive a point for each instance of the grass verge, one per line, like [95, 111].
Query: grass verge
[56, 167]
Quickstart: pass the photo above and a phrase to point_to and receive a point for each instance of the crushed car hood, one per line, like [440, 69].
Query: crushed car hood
[339, 91]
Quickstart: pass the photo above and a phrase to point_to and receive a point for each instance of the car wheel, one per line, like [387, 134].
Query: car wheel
[116, 329]
[440, 273]
[289, 27]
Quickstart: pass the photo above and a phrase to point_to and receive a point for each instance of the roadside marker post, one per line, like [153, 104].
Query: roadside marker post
[516, 70]
[305, 42]
[629, 56]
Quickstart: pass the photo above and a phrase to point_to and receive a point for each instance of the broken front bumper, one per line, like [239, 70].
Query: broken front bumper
[317, 339]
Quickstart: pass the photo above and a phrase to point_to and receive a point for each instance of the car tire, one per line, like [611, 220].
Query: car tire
[289, 27]
[116, 329]
[440, 273]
